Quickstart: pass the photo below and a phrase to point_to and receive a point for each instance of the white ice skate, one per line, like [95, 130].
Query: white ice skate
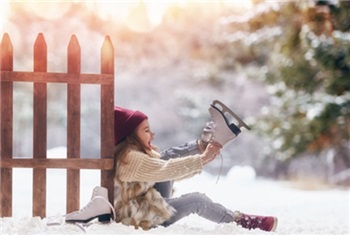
[225, 129]
[98, 207]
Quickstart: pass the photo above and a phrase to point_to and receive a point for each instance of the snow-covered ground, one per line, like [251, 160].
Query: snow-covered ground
[324, 211]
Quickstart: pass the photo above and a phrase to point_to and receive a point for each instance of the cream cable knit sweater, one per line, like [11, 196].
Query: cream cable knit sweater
[145, 168]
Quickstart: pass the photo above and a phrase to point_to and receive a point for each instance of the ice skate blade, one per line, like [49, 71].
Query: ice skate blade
[220, 120]
[225, 109]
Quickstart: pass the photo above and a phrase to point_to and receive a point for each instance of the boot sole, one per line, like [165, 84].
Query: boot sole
[101, 218]
[275, 222]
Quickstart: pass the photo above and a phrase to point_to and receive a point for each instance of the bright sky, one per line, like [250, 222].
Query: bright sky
[132, 12]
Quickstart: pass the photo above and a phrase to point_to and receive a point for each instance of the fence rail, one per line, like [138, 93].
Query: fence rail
[38, 161]
[72, 163]
[42, 77]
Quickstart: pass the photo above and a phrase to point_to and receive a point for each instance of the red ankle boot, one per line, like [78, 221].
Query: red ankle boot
[266, 223]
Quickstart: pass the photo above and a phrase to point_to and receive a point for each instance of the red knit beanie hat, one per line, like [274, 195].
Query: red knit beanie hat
[125, 122]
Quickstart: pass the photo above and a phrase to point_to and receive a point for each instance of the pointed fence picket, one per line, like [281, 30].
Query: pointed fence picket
[39, 161]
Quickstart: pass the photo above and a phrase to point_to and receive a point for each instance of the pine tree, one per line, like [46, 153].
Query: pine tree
[309, 75]
[306, 65]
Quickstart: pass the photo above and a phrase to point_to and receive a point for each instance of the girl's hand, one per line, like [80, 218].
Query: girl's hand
[211, 151]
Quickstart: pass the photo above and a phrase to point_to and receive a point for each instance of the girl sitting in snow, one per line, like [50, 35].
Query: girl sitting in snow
[144, 179]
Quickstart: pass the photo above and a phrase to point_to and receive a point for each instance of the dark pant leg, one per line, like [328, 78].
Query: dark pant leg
[165, 188]
[189, 148]
[200, 204]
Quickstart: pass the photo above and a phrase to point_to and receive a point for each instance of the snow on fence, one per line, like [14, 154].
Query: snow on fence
[39, 161]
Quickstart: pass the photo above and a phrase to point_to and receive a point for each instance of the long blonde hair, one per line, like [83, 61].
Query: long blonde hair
[131, 142]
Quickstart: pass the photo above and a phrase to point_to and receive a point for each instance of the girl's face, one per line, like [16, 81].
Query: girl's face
[144, 134]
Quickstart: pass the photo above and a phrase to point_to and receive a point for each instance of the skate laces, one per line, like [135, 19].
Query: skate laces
[58, 221]
[247, 221]
[108, 203]
[90, 203]
[103, 199]
[221, 165]
[82, 226]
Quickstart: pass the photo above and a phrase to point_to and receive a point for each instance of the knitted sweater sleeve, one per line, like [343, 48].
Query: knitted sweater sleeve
[141, 167]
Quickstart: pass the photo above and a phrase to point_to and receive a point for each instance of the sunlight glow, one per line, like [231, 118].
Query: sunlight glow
[242, 4]
[156, 11]
[4, 10]
[138, 15]
[47, 10]
[117, 10]
[137, 19]
[144, 15]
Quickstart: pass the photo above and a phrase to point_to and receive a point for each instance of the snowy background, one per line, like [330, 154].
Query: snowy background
[299, 211]
[175, 56]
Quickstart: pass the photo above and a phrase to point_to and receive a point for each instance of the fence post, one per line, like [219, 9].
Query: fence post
[107, 115]
[40, 77]
[73, 124]
[39, 128]
[6, 127]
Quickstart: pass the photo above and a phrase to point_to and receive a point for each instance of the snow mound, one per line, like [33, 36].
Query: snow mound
[298, 211]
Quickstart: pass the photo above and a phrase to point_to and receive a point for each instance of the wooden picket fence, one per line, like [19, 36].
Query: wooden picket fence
[39, 161]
